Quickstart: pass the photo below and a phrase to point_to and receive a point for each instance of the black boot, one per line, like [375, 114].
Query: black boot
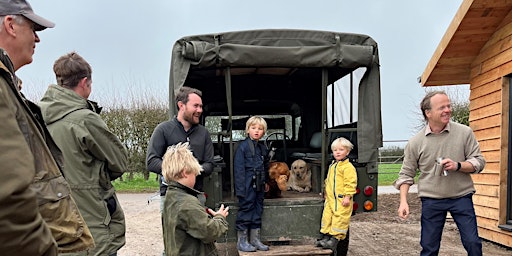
[322, 240]
[255, 240]
[332, 243]
[242, 244]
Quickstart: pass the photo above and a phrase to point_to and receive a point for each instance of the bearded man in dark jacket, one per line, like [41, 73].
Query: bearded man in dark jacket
[184, 127]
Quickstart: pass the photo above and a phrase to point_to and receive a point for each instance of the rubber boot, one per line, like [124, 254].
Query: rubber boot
[322, 240]
[332, 243]
[242, 244]
[255, 240]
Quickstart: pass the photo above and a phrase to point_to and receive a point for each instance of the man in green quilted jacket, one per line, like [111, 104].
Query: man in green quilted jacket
[93, 155]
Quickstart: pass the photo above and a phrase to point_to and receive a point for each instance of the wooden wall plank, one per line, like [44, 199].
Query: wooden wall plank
[485, 111]
[491, 156]
[498, 42]
[488, 229]
[503, 57]
[491, 75]
[492, 86]
[487, 201]
[487, 190]
[489, 133]
[486, 179]
[491, 144]
[502, 31]
[492, 235]
[485, 100]
[491, 51]
[491, 167]
[486, 212]
[488, 122]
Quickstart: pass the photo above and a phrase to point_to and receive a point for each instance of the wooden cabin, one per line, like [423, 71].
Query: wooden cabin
[477, 50]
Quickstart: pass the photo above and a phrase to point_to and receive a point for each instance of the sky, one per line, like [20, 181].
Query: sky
[128, 43]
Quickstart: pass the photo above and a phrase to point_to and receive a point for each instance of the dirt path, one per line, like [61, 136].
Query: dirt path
[376, 233]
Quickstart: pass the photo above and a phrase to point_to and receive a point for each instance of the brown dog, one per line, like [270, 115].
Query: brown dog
[278, 177]
[300, 177]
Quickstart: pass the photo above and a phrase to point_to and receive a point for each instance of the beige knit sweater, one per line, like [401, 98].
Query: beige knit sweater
[456, 142]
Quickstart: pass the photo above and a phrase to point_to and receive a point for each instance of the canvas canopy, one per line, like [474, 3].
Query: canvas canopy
[293, 49]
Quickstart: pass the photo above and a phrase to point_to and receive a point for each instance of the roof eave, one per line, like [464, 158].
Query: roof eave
[460, 77]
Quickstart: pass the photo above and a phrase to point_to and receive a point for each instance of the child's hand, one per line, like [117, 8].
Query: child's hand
[267, 187]
[222, 211]
[346, 201]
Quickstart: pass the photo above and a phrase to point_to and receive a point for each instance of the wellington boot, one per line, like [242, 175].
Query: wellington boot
[242, 244]
[255, 240]
[322, 240]
[330, 244]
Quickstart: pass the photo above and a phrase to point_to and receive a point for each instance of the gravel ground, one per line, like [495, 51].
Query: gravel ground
[373, 233]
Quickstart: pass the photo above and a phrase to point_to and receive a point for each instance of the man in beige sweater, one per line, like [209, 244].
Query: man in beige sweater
[445, 153]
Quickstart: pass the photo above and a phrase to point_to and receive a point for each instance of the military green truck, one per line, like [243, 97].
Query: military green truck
[311, 87]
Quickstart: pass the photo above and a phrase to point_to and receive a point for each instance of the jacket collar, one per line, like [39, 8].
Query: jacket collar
[177, 185]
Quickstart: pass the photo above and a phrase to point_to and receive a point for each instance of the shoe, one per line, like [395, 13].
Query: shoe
[332, 243]
[255, 240]
[322, 240]
[242, 244]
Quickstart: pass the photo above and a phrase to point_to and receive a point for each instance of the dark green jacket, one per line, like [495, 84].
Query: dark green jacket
[30, 159]
[188, 228]
[93, 157]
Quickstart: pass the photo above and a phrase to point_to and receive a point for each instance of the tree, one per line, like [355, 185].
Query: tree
[460, 105]
[460, 112]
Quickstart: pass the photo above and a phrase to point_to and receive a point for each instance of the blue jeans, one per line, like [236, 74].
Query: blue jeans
[433, 217]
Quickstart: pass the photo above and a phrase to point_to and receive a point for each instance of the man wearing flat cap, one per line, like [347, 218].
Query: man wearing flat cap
[38, 216]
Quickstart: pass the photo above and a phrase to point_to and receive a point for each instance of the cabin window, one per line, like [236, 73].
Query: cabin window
[281, 124]
[343, 95]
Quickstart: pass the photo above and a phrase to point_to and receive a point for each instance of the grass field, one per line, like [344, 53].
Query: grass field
[138, 184]
[387, 174]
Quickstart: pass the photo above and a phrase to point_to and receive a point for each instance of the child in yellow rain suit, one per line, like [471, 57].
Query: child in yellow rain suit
[340, 187]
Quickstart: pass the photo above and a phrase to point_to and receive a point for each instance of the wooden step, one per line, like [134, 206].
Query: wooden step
[289, 250]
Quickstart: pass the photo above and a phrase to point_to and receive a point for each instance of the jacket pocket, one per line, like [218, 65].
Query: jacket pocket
[60, 212]
[111, 205]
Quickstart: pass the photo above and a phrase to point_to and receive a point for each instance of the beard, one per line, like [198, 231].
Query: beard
[190, 118]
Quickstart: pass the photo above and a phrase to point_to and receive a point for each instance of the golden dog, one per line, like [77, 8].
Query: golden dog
[300, 177]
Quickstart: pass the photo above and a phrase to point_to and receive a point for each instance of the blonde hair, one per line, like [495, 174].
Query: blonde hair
[342, 142]
[256, 120]
[178, 159]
